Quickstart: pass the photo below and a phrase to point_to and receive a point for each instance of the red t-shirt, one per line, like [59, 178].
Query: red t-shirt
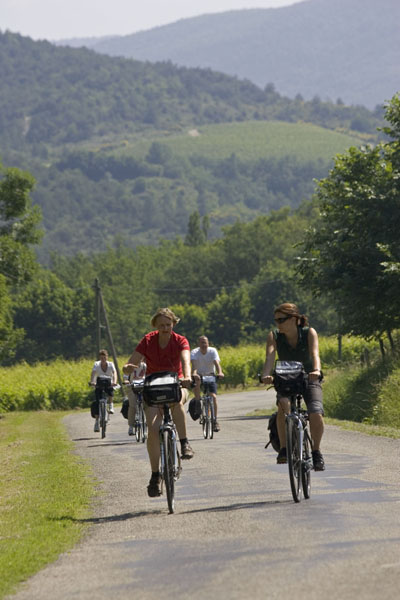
[163, 359]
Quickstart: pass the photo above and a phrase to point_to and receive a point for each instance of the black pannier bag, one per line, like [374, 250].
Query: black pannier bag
[290, 378]
[194, 409]
[125, 408]
[161, 388]
[273, 433]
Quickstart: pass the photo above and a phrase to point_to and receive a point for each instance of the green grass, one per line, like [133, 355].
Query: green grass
[251, 140]
[46, 494]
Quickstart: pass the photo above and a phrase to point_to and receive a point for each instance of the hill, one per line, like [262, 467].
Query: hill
[348, 49]
[125, 151]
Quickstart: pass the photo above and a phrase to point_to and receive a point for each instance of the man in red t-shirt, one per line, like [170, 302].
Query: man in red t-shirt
[163, 350]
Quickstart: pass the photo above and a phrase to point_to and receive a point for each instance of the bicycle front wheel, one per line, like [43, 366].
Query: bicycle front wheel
[306, 465]
[103, 418]
[144, 425]
[212, 418]
[138, 426]
[168, 449]
[293, 457]
[206, 418]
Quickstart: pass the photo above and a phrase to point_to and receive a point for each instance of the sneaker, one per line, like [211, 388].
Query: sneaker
[216, 426]
[130, 430]
[153, 489]
[281, 459]
[111, 408]
[318, 461]
[96, 426]
[187, 451]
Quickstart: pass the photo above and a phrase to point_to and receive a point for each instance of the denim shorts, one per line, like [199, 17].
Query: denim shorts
[312, 398]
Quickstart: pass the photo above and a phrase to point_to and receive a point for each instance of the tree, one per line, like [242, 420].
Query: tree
[345, 253]
[18, 231]
[18, 225]
[57, 320]
[196, 234]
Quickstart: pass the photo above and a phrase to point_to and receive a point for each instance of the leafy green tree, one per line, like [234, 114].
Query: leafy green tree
[18, 232]
[196, 234]
[345, 253]
[18, 225]
[229, 316]
[57, 320]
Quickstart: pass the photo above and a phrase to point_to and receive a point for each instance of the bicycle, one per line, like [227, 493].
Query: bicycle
[161, 390]
[208, 418]
[140, 418]
[289, 380]
[103, 384]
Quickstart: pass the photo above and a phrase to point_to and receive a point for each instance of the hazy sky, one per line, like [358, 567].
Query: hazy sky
[57, 19]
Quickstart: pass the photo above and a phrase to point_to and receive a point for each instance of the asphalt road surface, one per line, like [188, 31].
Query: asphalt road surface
[236, 532]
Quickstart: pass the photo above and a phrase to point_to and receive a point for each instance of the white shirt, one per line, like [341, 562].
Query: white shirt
[204, 363]
[97, 371]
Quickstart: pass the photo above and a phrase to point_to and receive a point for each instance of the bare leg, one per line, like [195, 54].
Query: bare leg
[153, 418]
[316, 428]
[283, 409]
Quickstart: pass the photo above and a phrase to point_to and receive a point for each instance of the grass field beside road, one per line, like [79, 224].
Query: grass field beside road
[46, 494]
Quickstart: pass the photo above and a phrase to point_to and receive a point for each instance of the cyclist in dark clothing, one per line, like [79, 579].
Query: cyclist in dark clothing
[294, 340]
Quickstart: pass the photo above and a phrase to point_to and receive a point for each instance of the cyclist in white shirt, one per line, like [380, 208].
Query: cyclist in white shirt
[103, 368]
[205, 361]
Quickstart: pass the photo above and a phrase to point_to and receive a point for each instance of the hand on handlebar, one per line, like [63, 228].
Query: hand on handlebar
[129, 368]
[267, 379]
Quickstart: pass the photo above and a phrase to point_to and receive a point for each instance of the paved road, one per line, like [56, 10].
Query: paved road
[236, 534]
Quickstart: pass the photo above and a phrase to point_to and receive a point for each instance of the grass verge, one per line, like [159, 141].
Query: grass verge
[46, 493]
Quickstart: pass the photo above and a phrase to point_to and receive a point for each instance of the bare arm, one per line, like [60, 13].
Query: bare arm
[218, 367]
[185, 359]
[133, 362]
[270, 352]
[314, 354]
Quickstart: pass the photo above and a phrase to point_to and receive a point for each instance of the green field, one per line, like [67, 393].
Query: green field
[251, 140]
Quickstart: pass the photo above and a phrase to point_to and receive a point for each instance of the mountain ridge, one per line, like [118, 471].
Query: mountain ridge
[347, 49]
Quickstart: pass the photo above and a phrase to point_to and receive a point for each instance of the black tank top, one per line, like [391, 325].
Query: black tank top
[300, 353]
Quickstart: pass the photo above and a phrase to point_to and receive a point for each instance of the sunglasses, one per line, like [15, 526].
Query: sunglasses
[282, 319]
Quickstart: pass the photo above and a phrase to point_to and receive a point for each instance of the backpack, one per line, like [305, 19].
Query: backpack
[273, 433]
[194, 409]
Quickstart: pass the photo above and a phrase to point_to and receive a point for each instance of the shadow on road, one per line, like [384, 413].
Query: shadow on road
[238, 506]
[107, 519]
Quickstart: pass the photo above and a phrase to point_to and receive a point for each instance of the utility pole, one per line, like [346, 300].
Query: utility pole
[97, 314]
[101, 312]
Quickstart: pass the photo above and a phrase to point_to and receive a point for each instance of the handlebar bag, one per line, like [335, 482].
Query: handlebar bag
[290, 378]
[103, 382]
[161, 388]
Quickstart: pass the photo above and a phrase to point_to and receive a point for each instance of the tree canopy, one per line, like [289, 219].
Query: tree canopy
[352, 251]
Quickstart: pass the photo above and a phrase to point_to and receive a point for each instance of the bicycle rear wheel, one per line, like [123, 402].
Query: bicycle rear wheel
[103, 418]
[293, 457]
[168, 448]
[306, 466]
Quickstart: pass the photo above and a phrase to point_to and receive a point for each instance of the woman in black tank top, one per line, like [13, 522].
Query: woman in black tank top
[294, 340]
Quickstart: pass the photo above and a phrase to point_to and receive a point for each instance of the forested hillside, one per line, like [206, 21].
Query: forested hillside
[123, 150]
[348, 49]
